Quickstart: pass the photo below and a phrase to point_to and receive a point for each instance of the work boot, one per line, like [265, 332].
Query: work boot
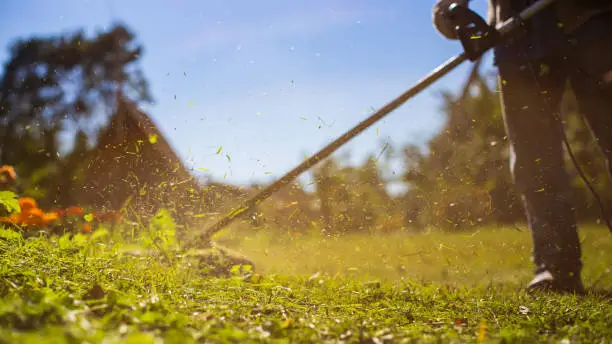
[546, 281]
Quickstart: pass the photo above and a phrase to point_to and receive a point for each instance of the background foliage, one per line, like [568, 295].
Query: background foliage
[66, 86]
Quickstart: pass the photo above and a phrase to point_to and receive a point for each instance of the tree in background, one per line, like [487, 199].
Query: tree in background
[72, 171]
[51, 85]
[463, 179]
[352, 199]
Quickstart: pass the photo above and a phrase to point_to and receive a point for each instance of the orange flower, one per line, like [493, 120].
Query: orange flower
[74, 210]
[7, 175]
[31, 217]
[86, 228]
[27, 203]
[17, 218]
[31, 214]
[50, 217]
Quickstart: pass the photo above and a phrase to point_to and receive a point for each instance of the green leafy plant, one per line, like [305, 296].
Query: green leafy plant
[9, 201]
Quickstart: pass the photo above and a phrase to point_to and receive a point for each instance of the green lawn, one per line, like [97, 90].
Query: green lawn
[361, 288]
[481, 257]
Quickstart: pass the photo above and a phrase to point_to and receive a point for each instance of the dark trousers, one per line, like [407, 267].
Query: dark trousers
[531, 93]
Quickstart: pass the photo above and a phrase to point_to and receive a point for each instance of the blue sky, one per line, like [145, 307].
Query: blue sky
[268, 81]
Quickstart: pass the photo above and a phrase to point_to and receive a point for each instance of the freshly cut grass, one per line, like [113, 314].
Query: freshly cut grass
[92, 289]
[482, 257]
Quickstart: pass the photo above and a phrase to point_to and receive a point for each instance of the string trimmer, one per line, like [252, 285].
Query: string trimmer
[476, 37]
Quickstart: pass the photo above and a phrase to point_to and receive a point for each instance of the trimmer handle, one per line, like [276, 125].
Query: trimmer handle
[475, 35]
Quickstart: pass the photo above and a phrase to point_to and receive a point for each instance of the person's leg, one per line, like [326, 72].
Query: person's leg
[531, 94]
[591, 78]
